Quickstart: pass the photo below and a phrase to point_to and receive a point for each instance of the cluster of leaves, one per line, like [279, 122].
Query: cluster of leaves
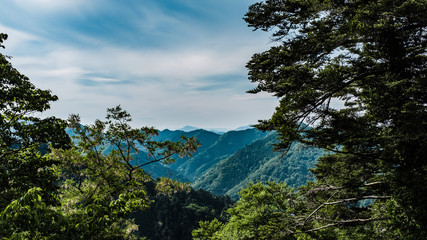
[27, 182]
[174, 213]
[84, 190]
[101, 181]
[273, 210]
[264, 211]
[355, 71]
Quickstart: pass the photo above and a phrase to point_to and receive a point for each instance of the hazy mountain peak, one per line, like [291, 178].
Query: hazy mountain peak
[242, 128]
[188, 128]
[214, 130]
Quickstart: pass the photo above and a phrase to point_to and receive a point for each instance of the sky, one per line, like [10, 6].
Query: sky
[169, 63]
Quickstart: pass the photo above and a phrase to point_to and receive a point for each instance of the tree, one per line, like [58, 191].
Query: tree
[370, 57]
[27, 183]
[177, 209]
[53, 189]
[264, 211]
[102, 181]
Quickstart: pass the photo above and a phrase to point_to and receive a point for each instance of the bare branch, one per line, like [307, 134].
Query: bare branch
[372, 184]
[331, 187]
[325, 188]
[155, 160]
[345, 222]
[344, 201]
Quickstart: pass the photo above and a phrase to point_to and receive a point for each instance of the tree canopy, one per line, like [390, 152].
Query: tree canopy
[101, 180]
[53, 188]
[263, 212]
[351, 78]
[27, 183]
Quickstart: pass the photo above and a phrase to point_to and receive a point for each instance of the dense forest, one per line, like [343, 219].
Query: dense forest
[60, 179]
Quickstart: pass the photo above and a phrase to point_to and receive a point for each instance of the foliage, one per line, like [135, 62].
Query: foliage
[101, 185]
[52, 190]
[167, 186]
[174, 214]
[29, 217]
[264, 211]
[27, 183]
[370, 57]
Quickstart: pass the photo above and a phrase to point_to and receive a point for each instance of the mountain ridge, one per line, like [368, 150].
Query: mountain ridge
[189, 128]
[225, 163]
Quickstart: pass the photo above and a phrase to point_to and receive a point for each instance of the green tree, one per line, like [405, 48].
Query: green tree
[177, 209]
[264, 211]
[102, 182]
[52, 189]
[27, 183]
[370, 57]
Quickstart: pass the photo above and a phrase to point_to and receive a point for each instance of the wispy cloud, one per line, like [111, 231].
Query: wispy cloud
[51, 5]
[170, 63]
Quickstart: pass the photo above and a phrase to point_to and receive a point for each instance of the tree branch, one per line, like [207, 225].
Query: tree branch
[345, 222]
[155, 160]
[343, 201]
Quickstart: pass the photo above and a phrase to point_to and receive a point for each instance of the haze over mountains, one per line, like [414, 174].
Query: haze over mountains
[226, 162]
[215, 130]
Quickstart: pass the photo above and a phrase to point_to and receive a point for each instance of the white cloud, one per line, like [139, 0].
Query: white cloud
[169, 83]
[103, 80]
[161, 87]
[53, 5]
[16, 39]
[186, 64]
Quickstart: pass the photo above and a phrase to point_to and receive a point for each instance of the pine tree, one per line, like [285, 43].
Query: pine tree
[354, 72]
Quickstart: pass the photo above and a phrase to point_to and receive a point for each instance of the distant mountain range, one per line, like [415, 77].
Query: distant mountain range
[227, 162]
[215, 130]
[223, 164]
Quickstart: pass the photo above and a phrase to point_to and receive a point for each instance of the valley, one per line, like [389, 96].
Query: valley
[225, 163]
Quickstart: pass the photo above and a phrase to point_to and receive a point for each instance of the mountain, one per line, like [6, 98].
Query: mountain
[188, 129]
[206, 139]
[222, 165]
[214, 148]
[214, 130]
[243, 128]
[225, 163]
[157, 170]
[258, 162]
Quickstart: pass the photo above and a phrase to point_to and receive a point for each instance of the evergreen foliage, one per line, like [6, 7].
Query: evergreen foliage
[264, 211]
[371, 57]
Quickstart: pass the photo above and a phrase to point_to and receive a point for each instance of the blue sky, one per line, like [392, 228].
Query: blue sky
[170, 63]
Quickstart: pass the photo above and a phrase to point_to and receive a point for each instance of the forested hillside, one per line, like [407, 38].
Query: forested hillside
[258, 162]
[224, 164]
[213, 149]
[173, 214]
